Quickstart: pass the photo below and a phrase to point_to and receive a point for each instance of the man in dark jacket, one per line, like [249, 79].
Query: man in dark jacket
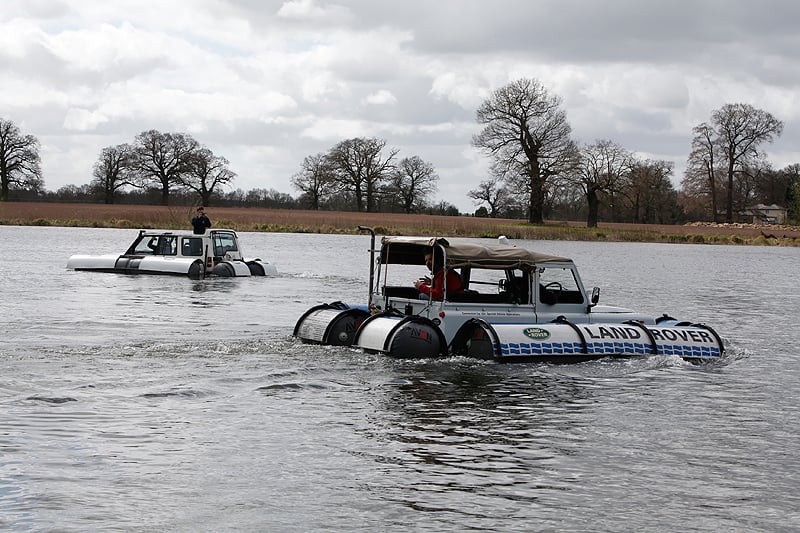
[200, 222]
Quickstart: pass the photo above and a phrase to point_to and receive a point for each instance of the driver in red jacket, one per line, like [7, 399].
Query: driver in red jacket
[435, 288]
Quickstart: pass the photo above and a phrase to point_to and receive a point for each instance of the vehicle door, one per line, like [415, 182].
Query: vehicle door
[225, 245]
[559, 292]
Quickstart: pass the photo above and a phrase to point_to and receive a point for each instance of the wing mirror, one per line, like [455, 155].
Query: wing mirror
[594, 299]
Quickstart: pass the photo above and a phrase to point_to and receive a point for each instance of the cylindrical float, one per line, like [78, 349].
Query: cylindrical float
[335, 324]
[563, 340]
[259, 267]
[230, 269]
[401, 336]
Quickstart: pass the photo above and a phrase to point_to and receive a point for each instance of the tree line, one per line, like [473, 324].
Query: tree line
[537, 170]
[356, 174]
[360, 172]
[155, 161]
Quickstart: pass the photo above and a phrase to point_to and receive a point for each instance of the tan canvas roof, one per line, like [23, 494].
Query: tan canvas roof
[410, 250]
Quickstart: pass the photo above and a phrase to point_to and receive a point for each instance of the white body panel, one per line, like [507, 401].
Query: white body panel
[553, 339]
[92, 262]
[373, 335]
[268, 268]
[128, 264]
[450, 316]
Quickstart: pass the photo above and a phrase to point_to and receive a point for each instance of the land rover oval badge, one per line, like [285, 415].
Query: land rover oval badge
[536, 333]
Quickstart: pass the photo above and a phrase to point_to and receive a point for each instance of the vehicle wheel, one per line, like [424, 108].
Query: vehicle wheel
[224, 270]
[256, 269]
[416, 340]
[475, 339]
[196, 269]
[343, 330]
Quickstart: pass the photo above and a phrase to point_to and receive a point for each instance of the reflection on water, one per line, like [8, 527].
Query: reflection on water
[473, 430]
[189, 399]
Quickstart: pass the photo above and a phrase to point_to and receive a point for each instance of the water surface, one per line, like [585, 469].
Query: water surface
[141, 403]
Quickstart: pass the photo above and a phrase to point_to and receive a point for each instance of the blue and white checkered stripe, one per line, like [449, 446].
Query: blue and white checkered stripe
[511, 349]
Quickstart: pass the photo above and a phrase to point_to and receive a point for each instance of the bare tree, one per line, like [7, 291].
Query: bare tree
[747, 183]
[19, 160]
[360, 167]
[773, 186]
[411, 183]
[492, 193]
[443, 208]
[112, 171]
[650, 192]
[162, 159]
[792, 174]
[725, 148]
[568, 202]
[269, 198]
[703, 174]
[527, 134]
[205, 173]
[741, 129]
[603, 167]
[315, 180]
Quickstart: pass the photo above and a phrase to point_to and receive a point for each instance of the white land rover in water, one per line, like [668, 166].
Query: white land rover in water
[217, 252]
[513, 305]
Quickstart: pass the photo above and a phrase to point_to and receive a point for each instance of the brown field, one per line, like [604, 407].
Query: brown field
[297, 221]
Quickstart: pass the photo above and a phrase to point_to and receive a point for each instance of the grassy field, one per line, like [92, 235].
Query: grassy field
[296, 221]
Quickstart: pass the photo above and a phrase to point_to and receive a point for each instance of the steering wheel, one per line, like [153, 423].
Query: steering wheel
[552, 291]
[554, 286]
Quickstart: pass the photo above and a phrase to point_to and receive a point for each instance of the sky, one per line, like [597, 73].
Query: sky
[266, 83]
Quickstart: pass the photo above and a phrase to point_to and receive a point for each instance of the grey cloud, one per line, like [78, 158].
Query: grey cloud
[590, 31]
[628, 70]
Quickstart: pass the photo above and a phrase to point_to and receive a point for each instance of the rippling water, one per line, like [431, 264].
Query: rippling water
[136, 403]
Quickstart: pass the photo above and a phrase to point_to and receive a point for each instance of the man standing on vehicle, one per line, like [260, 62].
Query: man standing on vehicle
[200, 222]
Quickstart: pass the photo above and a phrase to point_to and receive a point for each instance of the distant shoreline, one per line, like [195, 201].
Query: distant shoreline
[304, 221]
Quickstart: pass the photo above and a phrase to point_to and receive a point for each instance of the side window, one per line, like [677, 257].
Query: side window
[192, 246]
[158, 245]
[492, 286]
[485, 281]
[147, 245]
[168, 245]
